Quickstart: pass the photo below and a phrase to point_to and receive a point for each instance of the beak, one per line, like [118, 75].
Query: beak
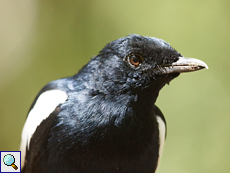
[184, 65]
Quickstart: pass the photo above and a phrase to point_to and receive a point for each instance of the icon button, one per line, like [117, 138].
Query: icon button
[9, 160]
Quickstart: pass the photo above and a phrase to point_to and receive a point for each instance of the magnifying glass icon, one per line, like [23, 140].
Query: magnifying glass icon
[9, 160]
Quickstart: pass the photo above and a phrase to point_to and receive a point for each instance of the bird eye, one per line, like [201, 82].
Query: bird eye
[135, 59]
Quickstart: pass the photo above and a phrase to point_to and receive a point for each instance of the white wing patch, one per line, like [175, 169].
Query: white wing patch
[162, 128]
[44, 106]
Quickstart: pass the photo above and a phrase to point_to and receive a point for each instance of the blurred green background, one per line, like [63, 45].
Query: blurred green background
[44, 40]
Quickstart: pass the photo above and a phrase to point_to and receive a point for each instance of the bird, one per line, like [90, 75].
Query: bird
[104, 118]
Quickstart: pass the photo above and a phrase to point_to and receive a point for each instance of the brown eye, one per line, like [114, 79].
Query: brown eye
[135, 59]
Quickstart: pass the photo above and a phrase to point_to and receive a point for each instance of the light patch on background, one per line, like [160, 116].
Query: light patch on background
[16, 21]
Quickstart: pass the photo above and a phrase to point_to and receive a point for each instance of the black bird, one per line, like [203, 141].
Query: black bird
[104, 118]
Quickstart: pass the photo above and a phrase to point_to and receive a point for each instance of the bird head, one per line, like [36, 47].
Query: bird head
[136, 63]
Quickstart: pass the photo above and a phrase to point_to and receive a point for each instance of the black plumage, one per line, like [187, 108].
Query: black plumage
[108, 123]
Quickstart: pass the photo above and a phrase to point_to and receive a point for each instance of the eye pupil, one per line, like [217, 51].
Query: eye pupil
[135, 59]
